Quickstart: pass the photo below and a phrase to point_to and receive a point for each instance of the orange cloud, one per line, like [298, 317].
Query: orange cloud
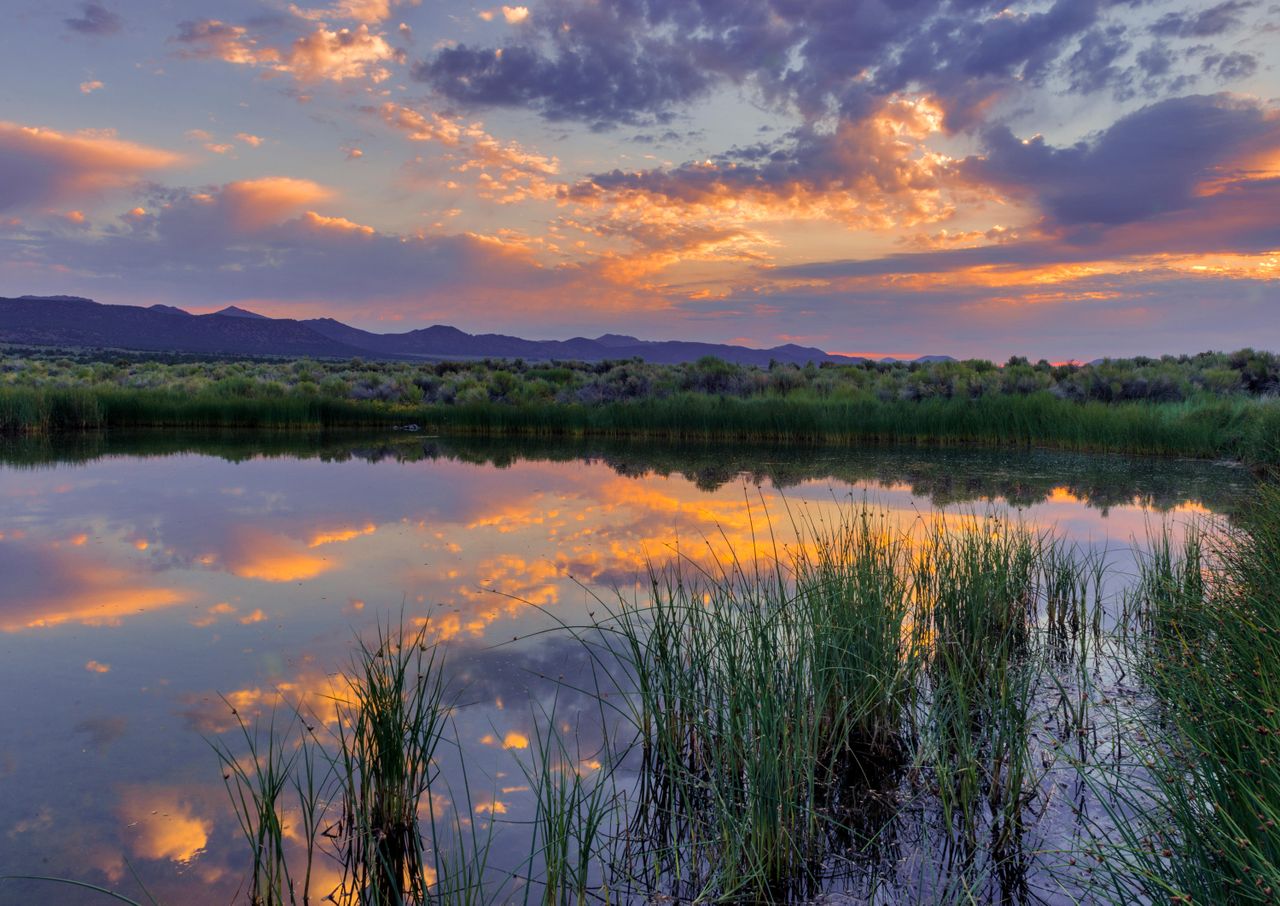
[369, 11]
[257, 203]
[57, 586]
[318, 222]
[43, 166]
[164, 824]
[340, 55]
[253, 554]
[505, 172]
[342, 534]
[334, 55]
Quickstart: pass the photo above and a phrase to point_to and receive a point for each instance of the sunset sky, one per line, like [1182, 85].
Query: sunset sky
[1063, 179]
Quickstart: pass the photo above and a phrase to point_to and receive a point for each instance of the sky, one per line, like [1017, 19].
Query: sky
[1066, 179]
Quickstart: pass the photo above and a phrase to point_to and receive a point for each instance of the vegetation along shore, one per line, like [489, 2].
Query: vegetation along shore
[1210, 405]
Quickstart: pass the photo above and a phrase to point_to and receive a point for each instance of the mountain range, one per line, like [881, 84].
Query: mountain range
[71, 321]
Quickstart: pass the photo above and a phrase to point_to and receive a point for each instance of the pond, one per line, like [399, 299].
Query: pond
[150, 584]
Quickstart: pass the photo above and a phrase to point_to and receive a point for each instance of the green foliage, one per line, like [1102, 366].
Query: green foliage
[1209, 405]
[1207, 640]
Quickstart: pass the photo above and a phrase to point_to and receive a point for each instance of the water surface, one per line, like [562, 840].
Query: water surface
[145, 579]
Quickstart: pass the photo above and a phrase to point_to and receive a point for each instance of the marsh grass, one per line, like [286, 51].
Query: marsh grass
[576, 802]
[1204, 785]
[388, 730]
[366, 790]
[892, 707]
[1242, 428]
[795, 712]
[257, 782]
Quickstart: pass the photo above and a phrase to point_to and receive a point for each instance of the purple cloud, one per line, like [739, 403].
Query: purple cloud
[1146, 164]
[1206, 23]
[615, 62]
[94, 19]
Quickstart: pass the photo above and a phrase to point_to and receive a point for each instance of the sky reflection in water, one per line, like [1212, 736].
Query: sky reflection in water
[137, 589]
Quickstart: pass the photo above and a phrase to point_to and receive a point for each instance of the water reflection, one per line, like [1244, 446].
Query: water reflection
[145, 577]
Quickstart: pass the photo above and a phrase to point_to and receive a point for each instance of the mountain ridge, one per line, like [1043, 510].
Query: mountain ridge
[79, 322]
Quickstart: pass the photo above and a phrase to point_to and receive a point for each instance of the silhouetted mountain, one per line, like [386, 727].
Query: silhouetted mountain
[232, 311]
[73, 321]
[440, 341]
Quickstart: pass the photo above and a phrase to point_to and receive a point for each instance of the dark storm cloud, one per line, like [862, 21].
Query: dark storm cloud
[94, 19]
[1203, 24]
[1146, 164]
[630, 61]
[604, 82]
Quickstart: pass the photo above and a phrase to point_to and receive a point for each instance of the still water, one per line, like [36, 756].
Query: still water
[149, 584]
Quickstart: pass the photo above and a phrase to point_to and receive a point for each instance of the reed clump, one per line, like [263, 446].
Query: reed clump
[772, 700]
[361, 785]
[1206, 783]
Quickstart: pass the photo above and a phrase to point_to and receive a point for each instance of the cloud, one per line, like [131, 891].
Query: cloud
[90, 86]
[1092, 67]
[1148, 163]
[49, 587]
[512, 15]
[163, 823]
[1230, 67]
[253, 554]
[252, 204]
[261, 240]
[624, 63]
[340, 55]
[40, 167]
[369, 12]
[505, 172]
[878, 173]
[94, 19]
[1204, 23]
[214, 39]
[602, 76]
[325, 54]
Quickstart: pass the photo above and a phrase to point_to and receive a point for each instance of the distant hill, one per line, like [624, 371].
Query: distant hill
[70, 321]
[76, 322]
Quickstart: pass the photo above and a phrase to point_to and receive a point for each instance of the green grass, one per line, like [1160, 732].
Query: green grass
[1212, 405]
[774, 703]
[388, 730]
[791, 710]
[1206, 783]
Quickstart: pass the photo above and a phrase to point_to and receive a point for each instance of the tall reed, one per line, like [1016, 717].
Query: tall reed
[387, 732]
[1206, 785]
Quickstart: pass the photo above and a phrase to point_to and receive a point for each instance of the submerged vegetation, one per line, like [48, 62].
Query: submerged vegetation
[965, 710]
[1209, 405]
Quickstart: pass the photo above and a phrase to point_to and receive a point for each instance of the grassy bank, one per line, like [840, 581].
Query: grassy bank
[1245, 429]
[1211, 405]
